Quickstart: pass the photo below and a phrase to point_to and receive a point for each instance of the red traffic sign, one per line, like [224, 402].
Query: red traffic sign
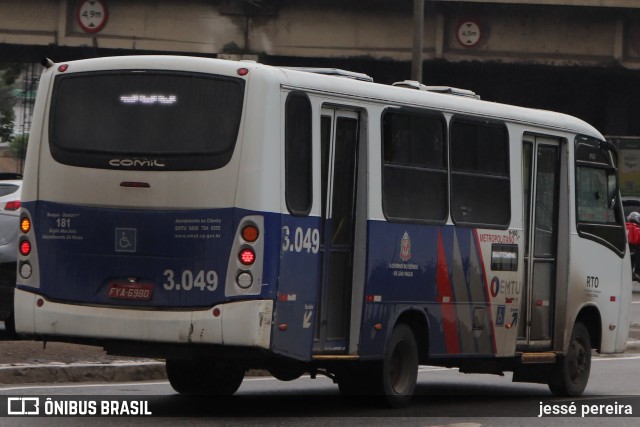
[92, 15]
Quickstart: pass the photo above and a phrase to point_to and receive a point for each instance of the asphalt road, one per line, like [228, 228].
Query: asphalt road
[444, 397]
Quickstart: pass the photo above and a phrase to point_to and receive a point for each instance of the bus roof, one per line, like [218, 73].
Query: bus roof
[440, 100]
[355, 87]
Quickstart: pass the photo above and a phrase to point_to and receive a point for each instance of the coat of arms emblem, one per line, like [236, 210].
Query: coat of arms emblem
[405, 247]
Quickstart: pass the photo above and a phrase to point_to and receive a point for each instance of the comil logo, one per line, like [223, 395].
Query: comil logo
[132, 163]
[23, 406]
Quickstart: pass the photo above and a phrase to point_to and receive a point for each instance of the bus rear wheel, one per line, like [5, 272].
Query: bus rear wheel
[571, 374]
[204, 377]
[399, 370]
[391, 381]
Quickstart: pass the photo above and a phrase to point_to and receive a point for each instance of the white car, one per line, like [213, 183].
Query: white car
[9, 218]
[10, 191]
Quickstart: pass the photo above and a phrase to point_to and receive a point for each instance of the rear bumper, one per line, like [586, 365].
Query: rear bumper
[242, 323]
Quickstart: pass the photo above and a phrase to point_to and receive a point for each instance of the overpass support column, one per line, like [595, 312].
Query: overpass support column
[418, 40]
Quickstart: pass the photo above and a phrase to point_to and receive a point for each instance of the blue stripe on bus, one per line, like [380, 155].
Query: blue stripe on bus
[80, 253]
[79, 258]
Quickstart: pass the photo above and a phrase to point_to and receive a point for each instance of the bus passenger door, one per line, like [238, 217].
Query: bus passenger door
[541, 176]
[339, 150]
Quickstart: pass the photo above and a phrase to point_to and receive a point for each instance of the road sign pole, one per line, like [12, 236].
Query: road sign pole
[418, 39]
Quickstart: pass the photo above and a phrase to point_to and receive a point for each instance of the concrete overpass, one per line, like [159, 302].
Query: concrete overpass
[577, 56]
[552, 32]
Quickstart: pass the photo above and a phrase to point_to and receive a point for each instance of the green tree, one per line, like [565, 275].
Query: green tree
[8, 75]
[10, 72]
[18, 146]
[7, 117]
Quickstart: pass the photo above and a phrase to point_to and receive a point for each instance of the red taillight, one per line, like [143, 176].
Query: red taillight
[247, 256]
[25, 248]
[13, 205]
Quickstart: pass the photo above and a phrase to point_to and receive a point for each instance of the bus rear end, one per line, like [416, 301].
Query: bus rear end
[130, 227]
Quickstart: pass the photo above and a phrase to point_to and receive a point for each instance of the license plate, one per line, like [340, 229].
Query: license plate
[131, 291]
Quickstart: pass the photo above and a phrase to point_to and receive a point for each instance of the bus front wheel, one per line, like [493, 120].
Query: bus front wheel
[204, 377]
[571, 373]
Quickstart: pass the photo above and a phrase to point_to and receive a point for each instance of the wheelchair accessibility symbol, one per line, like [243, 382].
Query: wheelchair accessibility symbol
[126, 239]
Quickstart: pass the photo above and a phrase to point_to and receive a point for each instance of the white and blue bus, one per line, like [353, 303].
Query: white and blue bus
[230, 215]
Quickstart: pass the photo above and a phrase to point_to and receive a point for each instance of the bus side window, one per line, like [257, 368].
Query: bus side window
[414, 174]
[480, 187]
[592, 193]
[599, 216]
[297, 140]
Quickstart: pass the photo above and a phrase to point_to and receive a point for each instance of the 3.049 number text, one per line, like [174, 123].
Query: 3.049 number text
[203, 280]
[302, 240]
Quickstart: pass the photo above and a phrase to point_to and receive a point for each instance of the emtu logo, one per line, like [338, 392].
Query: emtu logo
[405, 247]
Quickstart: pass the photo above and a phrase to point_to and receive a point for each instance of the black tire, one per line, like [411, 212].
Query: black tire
[390, 381]
[571, 373]
[286, 372]
[358, 380]
[10, 327]
[203, 377]
[349, 385]
[399, 370]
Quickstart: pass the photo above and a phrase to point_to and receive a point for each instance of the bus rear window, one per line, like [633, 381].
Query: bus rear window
[145, 120]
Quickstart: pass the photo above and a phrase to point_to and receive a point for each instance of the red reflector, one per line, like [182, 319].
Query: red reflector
[247, 256]
[13, 205]
[25, 248]
[612, 299]
[63, 68]
[243, 71]
[250, 233]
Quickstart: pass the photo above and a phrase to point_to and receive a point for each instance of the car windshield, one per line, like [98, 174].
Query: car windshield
[6, 189]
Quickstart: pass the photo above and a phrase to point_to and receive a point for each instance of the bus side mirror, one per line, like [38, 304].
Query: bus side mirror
[612, 188]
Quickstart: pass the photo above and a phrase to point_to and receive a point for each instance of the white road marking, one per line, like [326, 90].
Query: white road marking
[622, 357]
[421, 369]
[82, 385]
